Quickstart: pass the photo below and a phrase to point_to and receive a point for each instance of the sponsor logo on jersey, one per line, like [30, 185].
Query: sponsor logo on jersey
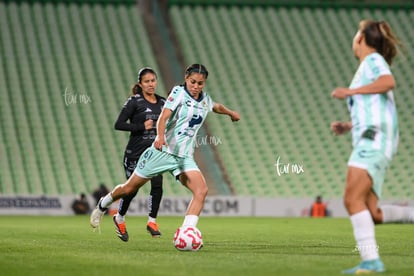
[195, 120]
[189, 131]
[197, 105]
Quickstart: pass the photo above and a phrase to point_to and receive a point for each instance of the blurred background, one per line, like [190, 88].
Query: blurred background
[66, 68]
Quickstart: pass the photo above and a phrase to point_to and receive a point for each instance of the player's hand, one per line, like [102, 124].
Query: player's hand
[339, 128]
[159, 142]
[234, 116]
[341, 93]
[149, 124]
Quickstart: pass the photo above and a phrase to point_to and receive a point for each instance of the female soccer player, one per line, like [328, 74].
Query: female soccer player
[142, 110]
[374, 127]
[183, 114]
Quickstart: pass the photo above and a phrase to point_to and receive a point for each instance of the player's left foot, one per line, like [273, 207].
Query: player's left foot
[96, 215]
[366, 267]
[120, 229]
[152, 228]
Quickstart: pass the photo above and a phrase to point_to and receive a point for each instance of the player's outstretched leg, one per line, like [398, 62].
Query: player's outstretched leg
[131, 186]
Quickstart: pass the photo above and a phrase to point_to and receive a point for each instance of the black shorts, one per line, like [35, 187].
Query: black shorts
[129, 166]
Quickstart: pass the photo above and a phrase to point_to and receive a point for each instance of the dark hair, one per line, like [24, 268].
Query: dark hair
[378, 35]
[196, 68]
[136, 89]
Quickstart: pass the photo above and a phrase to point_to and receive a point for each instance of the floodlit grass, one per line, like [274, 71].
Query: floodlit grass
[232, 246]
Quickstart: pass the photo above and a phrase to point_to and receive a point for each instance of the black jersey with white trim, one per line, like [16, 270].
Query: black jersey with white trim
[134, 113]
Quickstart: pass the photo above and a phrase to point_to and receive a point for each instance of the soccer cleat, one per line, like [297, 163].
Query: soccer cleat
[152, 228]
[96, 215]
[120, 229]
[366, 267]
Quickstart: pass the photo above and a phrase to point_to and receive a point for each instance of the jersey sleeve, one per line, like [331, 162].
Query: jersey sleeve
[174, 98]
[378, 67]
[126, 113]
[210, 103]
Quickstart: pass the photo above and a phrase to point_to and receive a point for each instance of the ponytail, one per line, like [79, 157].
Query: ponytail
[136, 89]
[390, 42]
[378, 35]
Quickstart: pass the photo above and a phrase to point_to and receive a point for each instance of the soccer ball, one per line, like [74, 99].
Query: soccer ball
[188, 238]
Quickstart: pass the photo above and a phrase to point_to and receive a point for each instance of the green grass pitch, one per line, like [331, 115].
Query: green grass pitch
[47, 245]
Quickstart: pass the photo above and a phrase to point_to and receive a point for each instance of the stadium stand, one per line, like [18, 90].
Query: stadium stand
[66, 72]
[277, 65]
[66, 68]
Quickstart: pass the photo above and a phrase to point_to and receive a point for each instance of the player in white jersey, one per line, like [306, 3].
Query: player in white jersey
[187, 117]
[182, 116]
[374, 126]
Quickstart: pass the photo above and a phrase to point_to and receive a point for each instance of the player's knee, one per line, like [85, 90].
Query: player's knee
[201, 191]
[351, 198]
[156, 182]
[156, 187]
[348, 201]
[157, 190]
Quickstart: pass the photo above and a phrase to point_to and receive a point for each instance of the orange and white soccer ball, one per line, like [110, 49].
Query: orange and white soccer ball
[188, 238]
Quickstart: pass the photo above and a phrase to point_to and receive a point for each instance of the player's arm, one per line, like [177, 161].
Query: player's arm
[221, 109]
[339, 128]
[161, 122]
[123, 117]
[381, 85]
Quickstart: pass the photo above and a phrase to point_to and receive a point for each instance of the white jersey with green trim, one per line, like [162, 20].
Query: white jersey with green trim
[374, 116]
[188, 115]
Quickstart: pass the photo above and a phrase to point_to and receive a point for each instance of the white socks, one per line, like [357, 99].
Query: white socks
[190, 220]
[119, 218]
[364, 233]
[393, 213]
[106, 201]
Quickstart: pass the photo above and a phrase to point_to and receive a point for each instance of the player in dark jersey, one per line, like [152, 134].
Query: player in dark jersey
[139, 116]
